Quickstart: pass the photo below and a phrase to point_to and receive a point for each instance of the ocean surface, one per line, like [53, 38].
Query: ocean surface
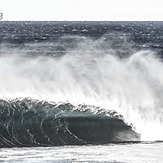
[81, 92]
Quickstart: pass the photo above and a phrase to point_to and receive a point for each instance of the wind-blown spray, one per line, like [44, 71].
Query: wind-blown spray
[93, 75]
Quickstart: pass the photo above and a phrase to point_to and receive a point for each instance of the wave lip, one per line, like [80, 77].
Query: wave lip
[30, 122]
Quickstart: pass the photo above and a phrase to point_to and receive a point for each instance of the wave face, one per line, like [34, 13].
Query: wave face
[29, 122]
[114, 66]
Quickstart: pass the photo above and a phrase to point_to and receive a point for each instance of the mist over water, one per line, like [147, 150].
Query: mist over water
[91, 72]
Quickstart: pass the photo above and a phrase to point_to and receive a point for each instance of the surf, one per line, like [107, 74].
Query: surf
[88, 74]
[29, 122]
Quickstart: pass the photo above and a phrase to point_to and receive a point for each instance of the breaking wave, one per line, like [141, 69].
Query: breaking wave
[89, 76]
[30, 122]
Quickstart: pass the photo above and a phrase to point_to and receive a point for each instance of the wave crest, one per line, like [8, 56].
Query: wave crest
[30, 122]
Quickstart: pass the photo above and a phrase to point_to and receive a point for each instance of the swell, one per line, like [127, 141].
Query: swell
[29, 122]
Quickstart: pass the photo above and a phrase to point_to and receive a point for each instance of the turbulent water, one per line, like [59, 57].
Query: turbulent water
[78, 83]
[111, 153]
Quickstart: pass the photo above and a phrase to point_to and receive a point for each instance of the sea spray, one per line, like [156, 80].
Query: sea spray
[92, 74]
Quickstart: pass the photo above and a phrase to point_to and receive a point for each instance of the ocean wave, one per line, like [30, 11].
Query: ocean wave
[116, 67]
[30, 122]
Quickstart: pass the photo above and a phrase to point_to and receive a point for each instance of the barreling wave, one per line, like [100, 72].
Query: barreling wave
[112, 71]
[29, 122]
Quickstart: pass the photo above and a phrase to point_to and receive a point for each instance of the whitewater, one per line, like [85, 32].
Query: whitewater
[131, 86]
[76, 89]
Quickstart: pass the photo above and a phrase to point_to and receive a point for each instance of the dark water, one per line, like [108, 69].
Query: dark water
[39, 123]
[45, 65]
[120, 36]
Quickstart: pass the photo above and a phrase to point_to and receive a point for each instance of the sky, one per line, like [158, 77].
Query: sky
[82, 10]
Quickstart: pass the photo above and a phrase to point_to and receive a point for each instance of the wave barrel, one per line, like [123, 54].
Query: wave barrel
[30, 122]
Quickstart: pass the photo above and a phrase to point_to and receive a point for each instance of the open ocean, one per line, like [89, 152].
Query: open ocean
[81, 92]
